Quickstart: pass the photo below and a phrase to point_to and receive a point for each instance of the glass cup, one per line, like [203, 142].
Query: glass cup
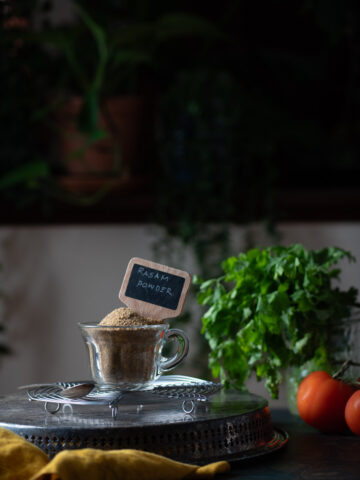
[130, 357]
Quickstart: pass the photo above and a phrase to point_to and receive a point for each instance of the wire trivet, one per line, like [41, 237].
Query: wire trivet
[172, 387]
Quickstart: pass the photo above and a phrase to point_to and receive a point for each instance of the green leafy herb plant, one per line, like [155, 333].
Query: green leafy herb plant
[273, 309]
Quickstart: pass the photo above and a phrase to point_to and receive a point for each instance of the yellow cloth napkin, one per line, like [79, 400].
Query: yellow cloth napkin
[21, 460]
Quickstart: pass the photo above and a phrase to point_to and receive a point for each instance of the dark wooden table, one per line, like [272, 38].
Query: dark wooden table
[308, 455]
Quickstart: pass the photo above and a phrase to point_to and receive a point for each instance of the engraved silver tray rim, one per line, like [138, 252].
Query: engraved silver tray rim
[279, 440]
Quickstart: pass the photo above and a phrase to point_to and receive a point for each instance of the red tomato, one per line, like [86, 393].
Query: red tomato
[321, 401]
[352, 413]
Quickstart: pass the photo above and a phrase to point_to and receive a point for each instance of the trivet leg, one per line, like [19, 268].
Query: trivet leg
[188, 406]
[56, 409]
[67, 406]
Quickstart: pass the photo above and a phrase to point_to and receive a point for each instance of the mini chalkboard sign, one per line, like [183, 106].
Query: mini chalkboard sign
[154, 290]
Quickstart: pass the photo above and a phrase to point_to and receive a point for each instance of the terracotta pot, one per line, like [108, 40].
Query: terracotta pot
[128, 122]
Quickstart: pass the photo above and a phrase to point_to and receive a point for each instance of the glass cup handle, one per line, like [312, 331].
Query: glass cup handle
[167, 364]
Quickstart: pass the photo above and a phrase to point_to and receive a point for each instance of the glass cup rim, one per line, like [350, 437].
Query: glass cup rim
[96, 325]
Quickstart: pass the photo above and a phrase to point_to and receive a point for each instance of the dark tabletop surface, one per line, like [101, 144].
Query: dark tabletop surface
[308, 455]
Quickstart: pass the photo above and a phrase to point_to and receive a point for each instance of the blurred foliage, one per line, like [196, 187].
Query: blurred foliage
[199, 148]
[296, 65]
[275, 106]
[252, 97]
[108, 49]
[23, 163]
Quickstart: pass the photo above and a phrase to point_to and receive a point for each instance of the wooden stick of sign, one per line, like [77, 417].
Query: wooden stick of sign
[153, 290]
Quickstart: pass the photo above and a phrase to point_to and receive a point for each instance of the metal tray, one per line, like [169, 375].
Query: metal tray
[230, 425]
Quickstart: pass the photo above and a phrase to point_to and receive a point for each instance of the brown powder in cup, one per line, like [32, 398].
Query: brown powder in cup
[127, 355]
[126, 317]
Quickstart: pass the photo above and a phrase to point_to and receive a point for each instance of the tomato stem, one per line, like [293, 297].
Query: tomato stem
[344, 367]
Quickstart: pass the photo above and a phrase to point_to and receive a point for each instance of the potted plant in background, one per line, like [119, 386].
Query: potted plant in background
[99, 132]
[273, 309]
[104, 102]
